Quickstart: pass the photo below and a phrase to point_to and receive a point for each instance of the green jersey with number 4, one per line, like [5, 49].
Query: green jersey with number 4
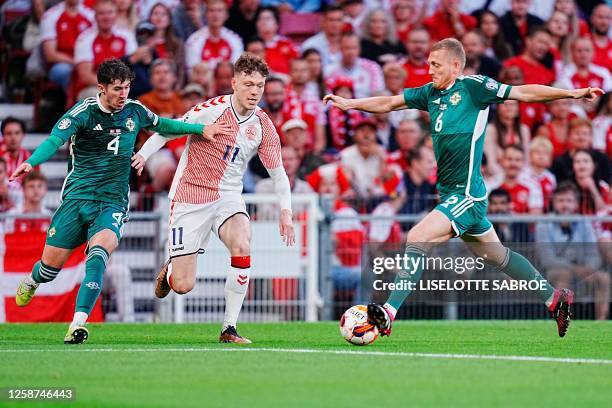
[101, 148]
[459, 117]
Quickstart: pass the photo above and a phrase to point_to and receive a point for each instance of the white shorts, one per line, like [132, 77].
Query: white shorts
[191, 224]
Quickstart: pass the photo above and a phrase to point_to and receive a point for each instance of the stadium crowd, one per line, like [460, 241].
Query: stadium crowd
[182, 53]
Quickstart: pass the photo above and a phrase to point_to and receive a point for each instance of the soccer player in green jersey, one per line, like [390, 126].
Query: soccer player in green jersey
[102, 132]
[459, 107]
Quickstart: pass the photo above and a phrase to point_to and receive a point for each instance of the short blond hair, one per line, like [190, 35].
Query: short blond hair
[452, 46]
[541, 142]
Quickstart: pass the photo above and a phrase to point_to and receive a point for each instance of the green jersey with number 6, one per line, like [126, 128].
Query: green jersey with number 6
[459, 117]
[101, 148]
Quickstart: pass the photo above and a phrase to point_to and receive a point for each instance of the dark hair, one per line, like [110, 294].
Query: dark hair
[272, 10]
[498, 42]
[416, 152]
[249, 64]
[11, 119]
[251, 40]
[173, 44]
[533, 31]
[502, 129]
[33, 176]
[500, 192]
[274, 79]
[319, 81]
[516, 147]
[567, 186]
[112, 70]
[333, 7]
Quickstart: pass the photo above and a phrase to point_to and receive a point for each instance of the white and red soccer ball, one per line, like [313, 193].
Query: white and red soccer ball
[355, 328]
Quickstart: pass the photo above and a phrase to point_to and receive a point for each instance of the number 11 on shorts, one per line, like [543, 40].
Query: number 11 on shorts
[177, 232]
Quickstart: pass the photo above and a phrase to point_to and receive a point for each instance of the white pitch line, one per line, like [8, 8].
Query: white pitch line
[74, 349]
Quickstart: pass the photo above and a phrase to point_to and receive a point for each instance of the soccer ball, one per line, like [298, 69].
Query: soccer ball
[355, 328]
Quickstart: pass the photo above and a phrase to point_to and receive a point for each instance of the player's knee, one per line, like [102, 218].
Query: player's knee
[182, 286]
[241, 247]
[602, 279]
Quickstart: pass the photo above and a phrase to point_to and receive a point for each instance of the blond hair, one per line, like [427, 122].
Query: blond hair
[453, 47]
[541, 142]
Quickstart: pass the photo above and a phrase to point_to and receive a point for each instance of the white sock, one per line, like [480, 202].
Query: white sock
[550, 300]
[390, 309]
[30, 281]
[79, 319]
[236, 286]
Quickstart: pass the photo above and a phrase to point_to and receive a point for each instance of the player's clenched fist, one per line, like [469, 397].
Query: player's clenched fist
[221, 128]
[287, 231]
[24, 168]
[337, 101]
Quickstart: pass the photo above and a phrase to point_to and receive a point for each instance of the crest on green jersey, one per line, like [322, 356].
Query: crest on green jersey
[492, 84]
[52, 232]
[64, 124]
[130, 124]
[455, 98]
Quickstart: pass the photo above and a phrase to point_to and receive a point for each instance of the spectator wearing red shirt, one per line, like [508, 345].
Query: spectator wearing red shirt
[167, 45]
[99, 43]
[13, 132]
[213, 43]
[277, 106]
[594, 192]
[532, 113]
[537, 46]
[448, 21]
[280, 50]
[416, 66]
[526, 196]
[408, 135]
[582, 73]
[540, 159]
[602, 126]
[59, 28]
[600, 27]
[517, 22]
[556, 129]
[407, 17]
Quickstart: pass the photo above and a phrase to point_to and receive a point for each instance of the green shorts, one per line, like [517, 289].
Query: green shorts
[466, 215]
[76, 221]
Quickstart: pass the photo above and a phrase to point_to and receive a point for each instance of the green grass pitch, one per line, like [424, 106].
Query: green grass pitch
[144, 365]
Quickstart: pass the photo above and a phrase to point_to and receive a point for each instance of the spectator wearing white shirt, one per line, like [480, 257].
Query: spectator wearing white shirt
[327, 42]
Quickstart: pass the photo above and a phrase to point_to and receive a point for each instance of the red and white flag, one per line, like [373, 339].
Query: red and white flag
[21, 245]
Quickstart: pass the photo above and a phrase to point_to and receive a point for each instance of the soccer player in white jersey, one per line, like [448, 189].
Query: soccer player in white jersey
[206, 190]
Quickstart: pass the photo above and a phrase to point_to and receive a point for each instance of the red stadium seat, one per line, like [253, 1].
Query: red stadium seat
[299, 26]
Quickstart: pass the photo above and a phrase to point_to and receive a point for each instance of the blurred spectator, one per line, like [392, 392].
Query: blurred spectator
[395, 77]
[578, 27]
[242, 16]
[34, 187]
[188, 17]
[291, 163]
[531, 61]
[600, 29]
[407, 17]
[602, 126]
[295, 132]
[305, 92]
[476, 60]
[366, 74]
[11, 194]
[341, 124]
[517, 23]
[505, 130]
[279, 49]
[526, 196]
[580, 136]
[256, 46]
[419, 190]
[582, 73]
[127, 17]
[495, 42]
[59, 28]
[354, 13]
[101, 42]
[448, 21]
[277, 106]
[13, 131]
[531, 113]
[556, 129]
[296, 6]
[568, 250]
[499, 204]
[163, 100]
[379, 42]
[202, 75]
[213, 43]
[408, 135]
[166, 43]
[416, 66]
[142, 59]
[540, 159]
[191, 95]
[327, 42]
[222, 75]
[366, 160]
[594, 193]
[315, 67]
[559, 28]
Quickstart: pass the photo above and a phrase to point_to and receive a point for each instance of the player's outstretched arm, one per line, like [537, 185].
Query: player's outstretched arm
[375, 104]
[543, 93]
[44, 152]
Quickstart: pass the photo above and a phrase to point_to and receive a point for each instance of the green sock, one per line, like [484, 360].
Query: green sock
[397, 296]
[518, 267]
[92, 284]
[42, 273]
